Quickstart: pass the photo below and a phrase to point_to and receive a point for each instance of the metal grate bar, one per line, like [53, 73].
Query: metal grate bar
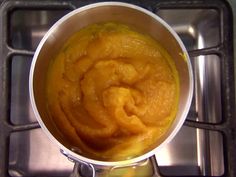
[186, 4]
[204, 125]
[34, 4]
[4, 151]
[21, 52]
[24, 127]
[205, 51]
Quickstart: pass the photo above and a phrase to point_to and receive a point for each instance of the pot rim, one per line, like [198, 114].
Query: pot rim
[69, 153]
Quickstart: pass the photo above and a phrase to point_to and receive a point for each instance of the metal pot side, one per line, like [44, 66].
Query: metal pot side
[135, 16]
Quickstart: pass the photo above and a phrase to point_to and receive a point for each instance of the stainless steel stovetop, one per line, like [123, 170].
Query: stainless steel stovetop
[194, 151]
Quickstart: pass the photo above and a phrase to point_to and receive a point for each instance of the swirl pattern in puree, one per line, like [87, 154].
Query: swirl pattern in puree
[112, 91]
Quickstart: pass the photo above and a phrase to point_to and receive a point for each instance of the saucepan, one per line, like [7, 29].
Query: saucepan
[124, 13]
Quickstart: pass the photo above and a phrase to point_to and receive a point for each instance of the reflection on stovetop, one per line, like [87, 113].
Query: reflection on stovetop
[192, 152]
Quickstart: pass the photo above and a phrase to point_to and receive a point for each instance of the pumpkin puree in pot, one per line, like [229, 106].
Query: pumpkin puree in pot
[112, 91]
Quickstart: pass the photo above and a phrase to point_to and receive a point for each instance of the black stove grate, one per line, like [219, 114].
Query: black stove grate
[224, 50]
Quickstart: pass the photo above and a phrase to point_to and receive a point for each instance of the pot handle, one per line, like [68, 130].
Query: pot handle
[89, 169]
[83, 169]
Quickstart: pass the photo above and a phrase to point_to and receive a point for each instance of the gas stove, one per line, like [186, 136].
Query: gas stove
[205, 145]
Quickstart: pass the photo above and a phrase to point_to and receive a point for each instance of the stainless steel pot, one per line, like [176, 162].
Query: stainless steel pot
[100, 12]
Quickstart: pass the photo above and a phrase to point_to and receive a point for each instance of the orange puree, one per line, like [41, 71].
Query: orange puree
[112, 91]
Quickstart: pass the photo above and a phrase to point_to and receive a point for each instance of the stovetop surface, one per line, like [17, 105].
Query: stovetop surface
[205, 144]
